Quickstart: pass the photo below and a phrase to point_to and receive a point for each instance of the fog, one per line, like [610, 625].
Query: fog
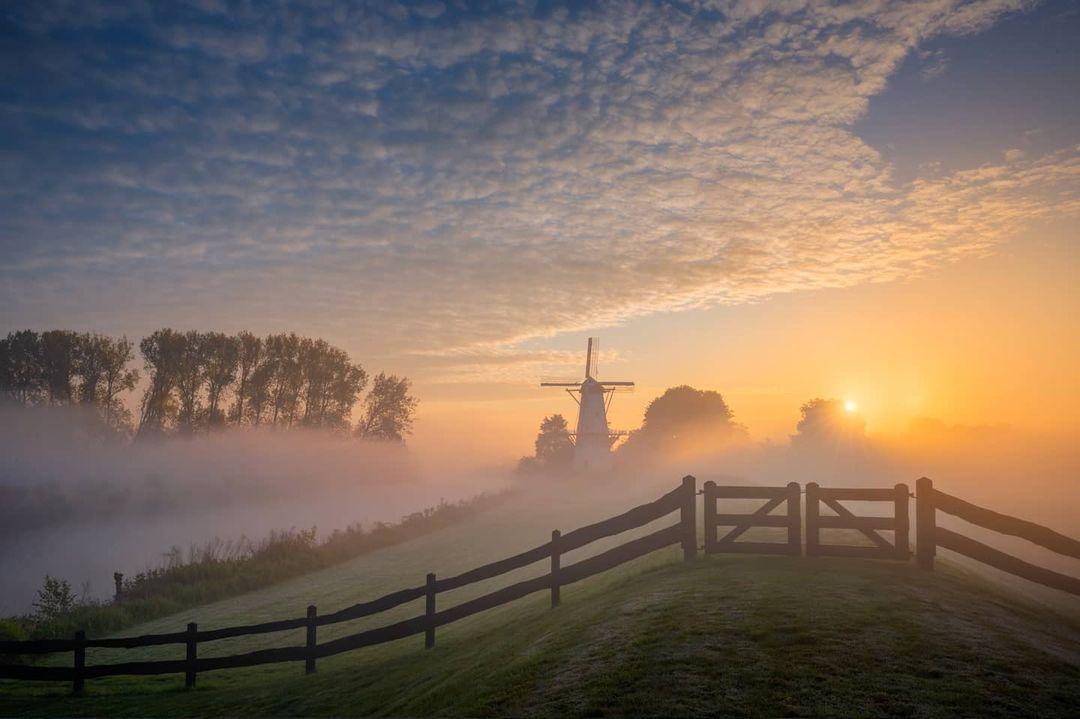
[81, 508]
[77, 506]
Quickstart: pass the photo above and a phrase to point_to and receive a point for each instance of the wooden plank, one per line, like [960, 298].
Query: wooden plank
[631, 519]
[192, 658]
[556, 557]
[868, 533]
[494, 569]
[172, 666]
[761, 512]
[429, 612]
[688, 518]
[862, 523]
[751, 520]
[1006, 562]
[34, 673]
[494, 599]
[813, 516]
[749, 492]
[902, 527]
[1005, 524]
[37, 646]
[856, 494]
[794, 509]
[751, 548]
[251, 659]
[379, 635]
[624, 553]
[925, 523]
[310, 637]
[375, 606]
[846, 550]
[708, 513]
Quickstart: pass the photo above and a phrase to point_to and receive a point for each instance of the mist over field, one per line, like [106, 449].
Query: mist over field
[78, 507]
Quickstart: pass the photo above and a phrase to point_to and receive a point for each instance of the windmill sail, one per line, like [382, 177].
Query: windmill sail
[593, 437]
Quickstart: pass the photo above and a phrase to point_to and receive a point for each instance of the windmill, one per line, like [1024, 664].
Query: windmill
[593, 438]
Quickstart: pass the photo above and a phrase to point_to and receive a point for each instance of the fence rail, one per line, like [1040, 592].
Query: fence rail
[740, 523]
[929, 501]
[831, 497]
[684, 532]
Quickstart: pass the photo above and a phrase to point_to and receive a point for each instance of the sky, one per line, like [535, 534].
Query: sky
[778, 200]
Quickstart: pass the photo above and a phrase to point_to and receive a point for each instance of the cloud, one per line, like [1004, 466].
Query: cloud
[436, 179]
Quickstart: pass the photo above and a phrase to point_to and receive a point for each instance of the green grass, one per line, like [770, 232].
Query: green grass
[737, 636]
[730, 636]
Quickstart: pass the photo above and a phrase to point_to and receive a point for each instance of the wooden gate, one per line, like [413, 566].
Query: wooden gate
[760, 518]
[868, 526]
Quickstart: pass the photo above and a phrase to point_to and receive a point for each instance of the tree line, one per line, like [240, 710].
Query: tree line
[200, 381]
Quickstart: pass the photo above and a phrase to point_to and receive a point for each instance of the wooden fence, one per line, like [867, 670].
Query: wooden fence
[929, 537]
[740, 523]
[681, 500]
[831, 497]
[684, 533]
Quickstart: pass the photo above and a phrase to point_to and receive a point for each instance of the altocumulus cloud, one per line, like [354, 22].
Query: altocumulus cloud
[438, 176]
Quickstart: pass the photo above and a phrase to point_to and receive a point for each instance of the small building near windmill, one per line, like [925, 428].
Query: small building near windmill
[592, 437]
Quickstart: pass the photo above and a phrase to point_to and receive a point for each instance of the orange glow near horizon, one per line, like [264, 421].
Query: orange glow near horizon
[985, 342]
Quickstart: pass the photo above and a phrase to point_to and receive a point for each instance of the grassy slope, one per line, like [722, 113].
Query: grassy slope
[744, 636]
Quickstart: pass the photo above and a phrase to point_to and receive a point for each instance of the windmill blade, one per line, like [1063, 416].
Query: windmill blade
[594, 357]
[617, 384]
[559, 382]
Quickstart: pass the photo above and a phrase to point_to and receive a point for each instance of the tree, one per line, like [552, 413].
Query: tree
[116, 378]
[389, 409]
[683, 420]
[554, 448]
[826, 422]
[58, 357]
[163, 355]
[21, 376]
[101, 365]
[190, 378]
[221, 355]
[249, 354]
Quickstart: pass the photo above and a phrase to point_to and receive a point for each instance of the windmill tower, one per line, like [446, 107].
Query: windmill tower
[592, 438]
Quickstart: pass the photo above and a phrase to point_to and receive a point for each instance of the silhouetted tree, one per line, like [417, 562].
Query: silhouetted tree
[249, 354]
[221, 356]
[825, 422]
[58, 358]
[21, 374]
[163, 356]
[388, 409]
[554, 448]
[190, 378]
[115, 379]
[682, 420]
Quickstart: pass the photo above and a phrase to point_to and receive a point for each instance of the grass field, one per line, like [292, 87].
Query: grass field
[752, 636]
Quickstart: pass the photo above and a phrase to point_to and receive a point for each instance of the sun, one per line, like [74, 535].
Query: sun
[850, 406]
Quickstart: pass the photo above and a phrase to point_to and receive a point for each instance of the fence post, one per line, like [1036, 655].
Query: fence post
[925, 523]
[118, 578]
[794, 516]
[688, 517]
[80, 662]
[429, 632]
[708, 497]
[903, 523]
[189, 673]
[812, 519]
[309, 662]
[555, 562]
